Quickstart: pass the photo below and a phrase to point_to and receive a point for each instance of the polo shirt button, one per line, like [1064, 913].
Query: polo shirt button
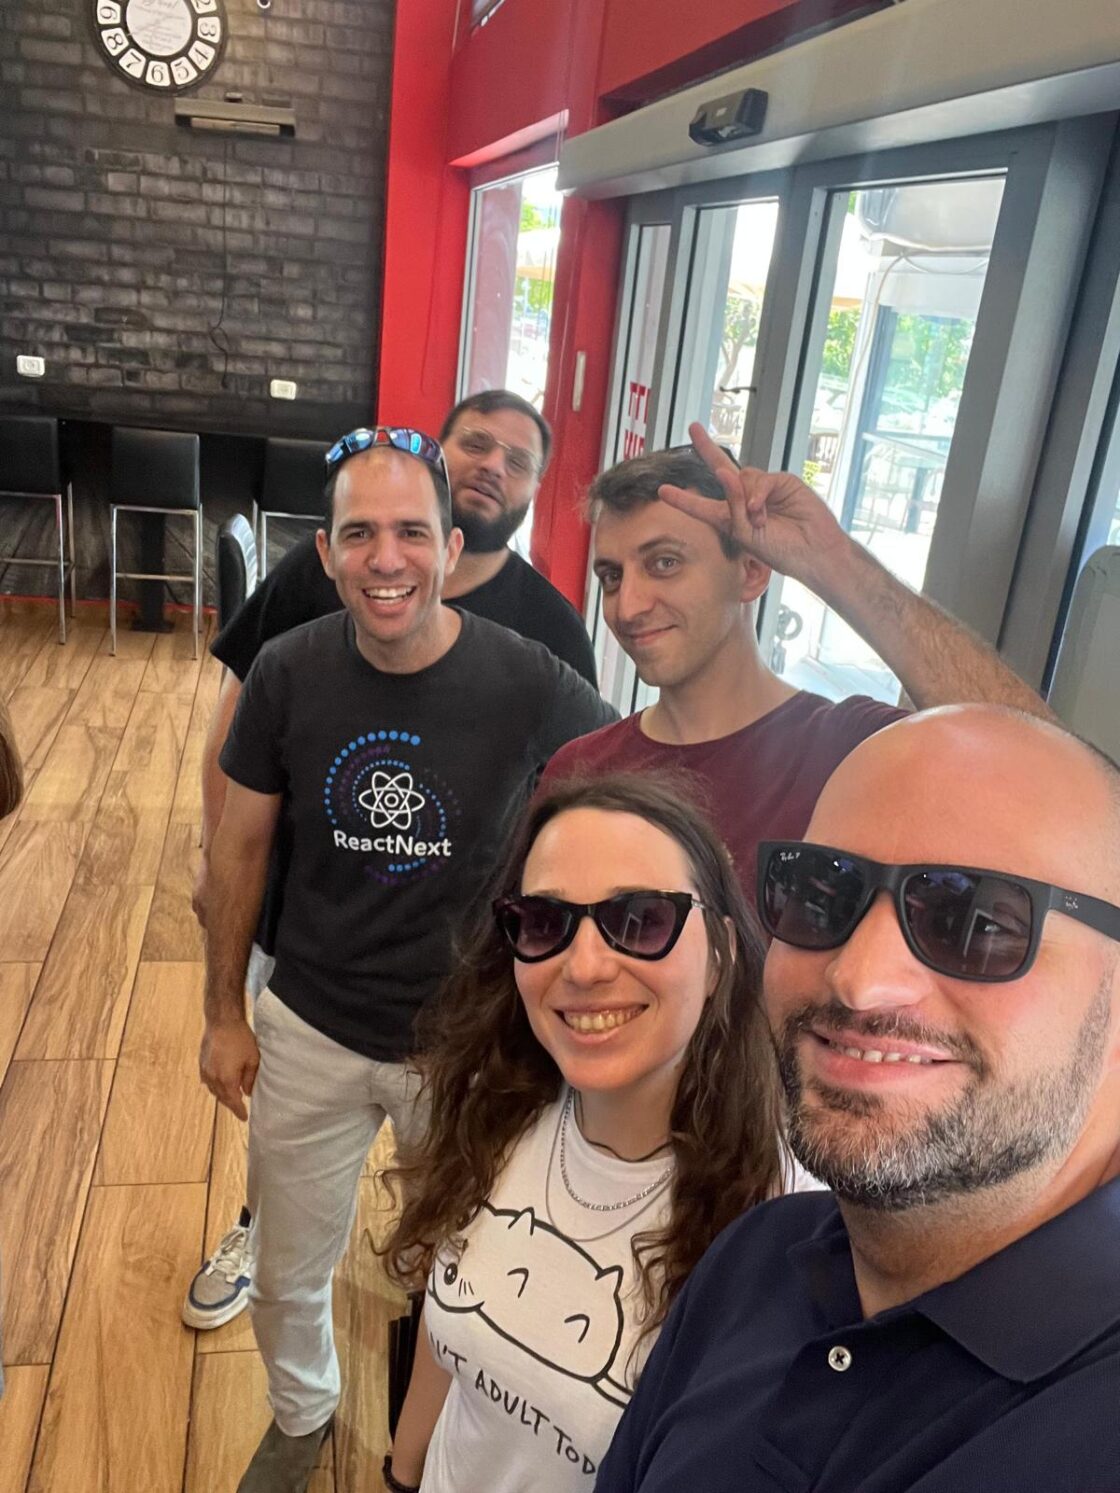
[839, 1359]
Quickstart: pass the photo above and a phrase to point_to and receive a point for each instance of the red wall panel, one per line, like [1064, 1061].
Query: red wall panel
[462, 97]
[514, 73]
[587, 270]
[425, 225]
[653, 46]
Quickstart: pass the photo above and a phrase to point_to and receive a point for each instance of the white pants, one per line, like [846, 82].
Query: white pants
[317, 1107]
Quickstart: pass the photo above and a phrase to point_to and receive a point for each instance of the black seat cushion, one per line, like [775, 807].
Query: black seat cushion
[29, 454]
[154, 468]
[294, 477]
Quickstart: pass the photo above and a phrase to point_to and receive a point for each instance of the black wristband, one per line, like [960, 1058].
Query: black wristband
[394, 1484]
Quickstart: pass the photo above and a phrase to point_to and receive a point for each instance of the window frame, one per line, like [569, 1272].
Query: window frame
[996, 516]
[618, 679]
[1078, 478]
[494, 175]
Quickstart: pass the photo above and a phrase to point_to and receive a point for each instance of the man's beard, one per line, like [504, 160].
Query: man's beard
[990, 1134]
[482, 536]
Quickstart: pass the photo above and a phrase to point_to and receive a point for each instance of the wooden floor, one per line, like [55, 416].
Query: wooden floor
[117, 1170]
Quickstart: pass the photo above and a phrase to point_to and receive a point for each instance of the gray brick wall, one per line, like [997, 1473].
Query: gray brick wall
[166, 275]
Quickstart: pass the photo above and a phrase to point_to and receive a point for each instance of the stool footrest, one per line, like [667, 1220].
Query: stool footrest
[192, 578]
[143, 508]
[142, 575]
[67, 565]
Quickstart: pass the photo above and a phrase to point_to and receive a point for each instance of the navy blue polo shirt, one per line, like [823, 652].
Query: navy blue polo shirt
[766, 1375]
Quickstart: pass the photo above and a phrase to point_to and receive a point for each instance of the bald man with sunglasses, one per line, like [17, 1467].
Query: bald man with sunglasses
[944, 991]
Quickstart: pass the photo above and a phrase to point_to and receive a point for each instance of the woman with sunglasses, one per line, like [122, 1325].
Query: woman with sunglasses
[603, 1102]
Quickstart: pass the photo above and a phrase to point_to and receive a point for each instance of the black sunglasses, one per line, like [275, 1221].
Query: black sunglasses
[399, 437]
[644, 925]
[960, 921]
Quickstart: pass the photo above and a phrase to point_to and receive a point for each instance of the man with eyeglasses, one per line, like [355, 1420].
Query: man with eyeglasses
[496, 446]
[944, 990]
[398, 735]
[684, 543]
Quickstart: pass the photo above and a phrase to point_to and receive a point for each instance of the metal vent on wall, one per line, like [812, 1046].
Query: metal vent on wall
[230, 117]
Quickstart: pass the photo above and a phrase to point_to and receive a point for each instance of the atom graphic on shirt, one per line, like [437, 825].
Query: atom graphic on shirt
[391, 800]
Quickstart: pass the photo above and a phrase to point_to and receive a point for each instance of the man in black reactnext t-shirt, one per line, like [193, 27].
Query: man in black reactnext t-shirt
[496, 447]
[398, 735]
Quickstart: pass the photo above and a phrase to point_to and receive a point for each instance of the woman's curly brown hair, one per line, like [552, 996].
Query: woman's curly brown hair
[487, 1078]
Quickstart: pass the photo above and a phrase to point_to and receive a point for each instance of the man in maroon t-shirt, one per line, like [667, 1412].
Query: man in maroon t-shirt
[684, 543]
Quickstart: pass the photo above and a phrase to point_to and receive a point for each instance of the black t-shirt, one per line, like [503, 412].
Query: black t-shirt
[298, 590]
[399, 790]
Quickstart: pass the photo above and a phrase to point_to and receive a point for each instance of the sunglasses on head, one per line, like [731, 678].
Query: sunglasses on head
[399, 437]
[960, 921]
[644, 925]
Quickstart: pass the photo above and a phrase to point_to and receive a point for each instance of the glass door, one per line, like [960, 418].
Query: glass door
[732, 249]
[892, 327]
[711, 332]
[891, 333]
[643, 291]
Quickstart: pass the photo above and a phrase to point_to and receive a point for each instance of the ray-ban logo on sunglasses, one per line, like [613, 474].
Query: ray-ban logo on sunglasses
[1071, 903]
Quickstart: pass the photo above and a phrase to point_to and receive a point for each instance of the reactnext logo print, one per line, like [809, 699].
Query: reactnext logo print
[384, 804]
[391, 800]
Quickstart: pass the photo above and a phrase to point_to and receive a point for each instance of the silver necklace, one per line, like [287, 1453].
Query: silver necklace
[583, 1202]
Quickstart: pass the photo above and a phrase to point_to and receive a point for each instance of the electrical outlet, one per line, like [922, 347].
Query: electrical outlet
[283, 388]
[29, 366]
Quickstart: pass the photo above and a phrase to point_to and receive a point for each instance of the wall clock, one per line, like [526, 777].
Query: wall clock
[166, 46]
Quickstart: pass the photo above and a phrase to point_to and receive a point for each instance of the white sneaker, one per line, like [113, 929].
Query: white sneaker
[220, 1288]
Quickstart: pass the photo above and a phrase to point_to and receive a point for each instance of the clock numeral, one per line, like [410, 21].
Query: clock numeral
[163, 44]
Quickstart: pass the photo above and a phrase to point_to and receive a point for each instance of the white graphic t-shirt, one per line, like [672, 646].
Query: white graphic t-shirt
[535, 1317]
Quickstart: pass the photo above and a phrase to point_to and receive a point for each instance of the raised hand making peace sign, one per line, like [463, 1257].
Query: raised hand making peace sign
[774, 515]
[784, 524]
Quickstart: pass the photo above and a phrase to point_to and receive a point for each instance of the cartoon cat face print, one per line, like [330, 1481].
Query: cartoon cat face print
[537, 1289]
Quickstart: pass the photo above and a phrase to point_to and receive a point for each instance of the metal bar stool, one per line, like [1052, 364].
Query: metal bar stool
[154, 471]
[292, 487]
[30, 468]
